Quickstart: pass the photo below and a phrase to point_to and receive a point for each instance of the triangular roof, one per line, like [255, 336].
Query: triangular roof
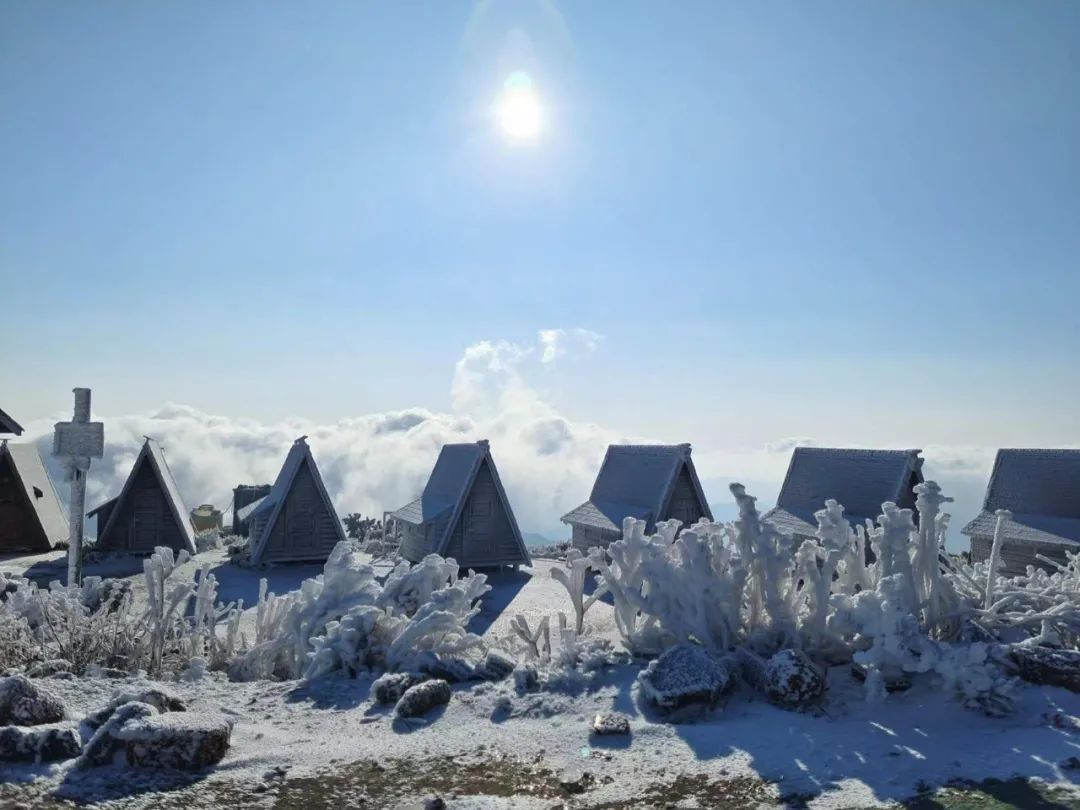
[860, 480]
[448, 488]
[636, 480]
[9, 425]
[270, 506]
[34, 478]
[152, 454]
[1042, 490]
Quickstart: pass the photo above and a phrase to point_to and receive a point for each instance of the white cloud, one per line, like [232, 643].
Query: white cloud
[380, 461]
[556, 342]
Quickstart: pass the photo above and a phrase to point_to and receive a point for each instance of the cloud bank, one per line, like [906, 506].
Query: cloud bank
[381, 461]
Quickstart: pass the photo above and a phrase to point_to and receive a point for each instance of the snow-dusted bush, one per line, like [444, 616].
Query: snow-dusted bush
[96, 625]
[745, 585]
[346, 620]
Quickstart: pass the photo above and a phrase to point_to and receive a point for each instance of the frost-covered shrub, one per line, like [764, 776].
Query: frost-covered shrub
[574, 577]
[746, 586]
[344, 620]
[95, 624]
[17, 645]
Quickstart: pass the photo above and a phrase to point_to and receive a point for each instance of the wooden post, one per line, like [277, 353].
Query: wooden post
[76, 443]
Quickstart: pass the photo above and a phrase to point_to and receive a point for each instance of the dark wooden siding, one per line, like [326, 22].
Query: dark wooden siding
[586, 537]
[484, 533]
[414, 542]
[305, 529]
[684, 504]
[20, 528]
[1016, 557]
[143, 520]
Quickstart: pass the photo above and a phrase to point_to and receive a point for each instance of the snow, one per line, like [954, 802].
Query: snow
[330, 636]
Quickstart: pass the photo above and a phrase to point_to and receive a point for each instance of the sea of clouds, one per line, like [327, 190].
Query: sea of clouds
[381, 461]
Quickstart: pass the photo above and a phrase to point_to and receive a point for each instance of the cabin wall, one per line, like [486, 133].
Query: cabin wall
[305, 529]
[586, 537]
[484, 532]
[20, 528]
[684, 504]
[144, 520]
[1016, 557]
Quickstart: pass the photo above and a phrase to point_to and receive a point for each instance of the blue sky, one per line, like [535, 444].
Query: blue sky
[857, 222]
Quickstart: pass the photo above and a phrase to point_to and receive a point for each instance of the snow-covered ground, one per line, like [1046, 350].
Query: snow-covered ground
[323, 742]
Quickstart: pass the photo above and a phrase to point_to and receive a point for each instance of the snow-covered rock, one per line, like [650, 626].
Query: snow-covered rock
[154, 696]
[25, 703]
[684, 675]
[497, 666]
[418, 700]
[137, 734]
[389, 687]
[1048, 667]
[792, 679]
[104, 747]
[185, 741]
[46, 669]
[45, 743]
[607, 723]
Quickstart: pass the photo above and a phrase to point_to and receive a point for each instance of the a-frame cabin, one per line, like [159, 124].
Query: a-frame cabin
[31, 517]
[296, 522]
[463, 513]
[649, 482]
[149, 511]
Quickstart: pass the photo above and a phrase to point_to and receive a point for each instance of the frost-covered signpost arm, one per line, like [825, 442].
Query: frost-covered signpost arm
[76, 443]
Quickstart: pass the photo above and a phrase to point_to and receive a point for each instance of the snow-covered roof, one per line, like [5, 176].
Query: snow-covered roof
[9, 425]
[270, 505]
[244, 512]
[151, 453]
[448, 487]
[860, 480]
[1042, 490]
[35, 480]
[635, 480]
[102, 506]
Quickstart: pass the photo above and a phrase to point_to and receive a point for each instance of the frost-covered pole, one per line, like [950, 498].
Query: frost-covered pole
[1003, 515]
[928, 500]
[76, 443]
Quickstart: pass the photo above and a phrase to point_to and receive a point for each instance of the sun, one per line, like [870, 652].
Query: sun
[518, 111]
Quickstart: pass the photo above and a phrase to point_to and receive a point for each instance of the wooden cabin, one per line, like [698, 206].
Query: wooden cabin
[295, 521]
[9, 425]
[149, 511]
[859, 480]
[462, 513]
[245, 498]
[31, 517]
[650, 482]
[1042, 490]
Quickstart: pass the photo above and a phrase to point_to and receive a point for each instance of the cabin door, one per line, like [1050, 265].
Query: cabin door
[300, 523]
[144, 521]
[11, 524]
[11, 516]
[479, 537]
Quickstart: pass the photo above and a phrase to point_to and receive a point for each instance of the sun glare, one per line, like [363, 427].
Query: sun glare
[518, 110]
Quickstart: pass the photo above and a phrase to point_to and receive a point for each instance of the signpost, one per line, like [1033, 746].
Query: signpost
[76, 443]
